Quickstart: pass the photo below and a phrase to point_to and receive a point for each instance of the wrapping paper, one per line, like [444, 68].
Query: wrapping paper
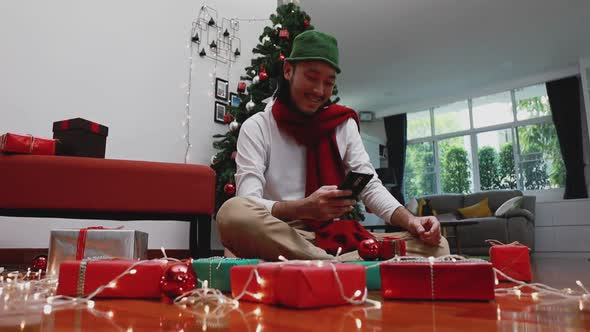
[26, 144]
[513, 260]
[471, 279]
[300, 285]
[65, 244]
[216, 270]
[373, 274]
[81, 278]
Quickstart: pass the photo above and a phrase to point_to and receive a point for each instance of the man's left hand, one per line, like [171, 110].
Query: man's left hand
[426, 228]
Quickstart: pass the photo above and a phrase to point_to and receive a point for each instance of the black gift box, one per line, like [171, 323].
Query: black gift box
[80, 138]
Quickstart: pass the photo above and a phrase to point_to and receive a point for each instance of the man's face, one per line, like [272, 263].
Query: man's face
[311, 84]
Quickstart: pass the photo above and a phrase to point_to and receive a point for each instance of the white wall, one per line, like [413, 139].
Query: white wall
[122, 64]
[563, 226]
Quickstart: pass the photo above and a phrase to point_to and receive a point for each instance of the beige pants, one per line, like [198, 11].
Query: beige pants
[248, 230]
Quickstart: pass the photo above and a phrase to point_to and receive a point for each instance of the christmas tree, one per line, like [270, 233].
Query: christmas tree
[264, 73]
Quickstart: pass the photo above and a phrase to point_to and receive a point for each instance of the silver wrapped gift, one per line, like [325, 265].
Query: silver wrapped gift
[118, 243]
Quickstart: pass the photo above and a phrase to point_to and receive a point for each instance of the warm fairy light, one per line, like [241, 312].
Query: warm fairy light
[359, 323]
[22, 325]
[206, 309]
[112, 284]
[204, 327]
[579, 283]
[50, 300]
[257, 311]
[320, 263]
[258, 296]
[517, 292]
[133, 271]
[36, 296]
[179, 315]
[431, 260]
[496, 281]
[282, 258]
[90, 304]
[111, 314]
[535, 296]
[258, 327]
[339, 251]
[39, 274]
[205, 284]
[47, 309]
[499, 313]
[259, 280]
[581, 306]
[130, 329]
[357, 293]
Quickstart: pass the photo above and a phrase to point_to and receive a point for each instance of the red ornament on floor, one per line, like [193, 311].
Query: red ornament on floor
[229, 189]
[228, 118]
[369, 249]
[40, 262]
[178, 279]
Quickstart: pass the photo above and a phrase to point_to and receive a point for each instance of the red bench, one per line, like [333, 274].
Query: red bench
[108, 189]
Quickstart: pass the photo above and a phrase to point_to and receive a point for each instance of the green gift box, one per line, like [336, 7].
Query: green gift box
[216, 270]
[373, 275]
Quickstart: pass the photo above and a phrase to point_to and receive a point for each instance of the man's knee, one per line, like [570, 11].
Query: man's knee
[237, 214]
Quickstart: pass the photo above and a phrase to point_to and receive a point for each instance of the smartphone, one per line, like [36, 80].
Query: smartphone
[356, 182]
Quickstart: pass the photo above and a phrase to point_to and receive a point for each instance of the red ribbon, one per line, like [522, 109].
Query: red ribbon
[82, 241]
[94, 127]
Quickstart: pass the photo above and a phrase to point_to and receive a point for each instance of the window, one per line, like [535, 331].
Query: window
[451, 118]
[541, 165]
[532, 102]
[492, 110]
[502, 141]
[495, 155]
[419, 125]
[455, 164]
[419, 176]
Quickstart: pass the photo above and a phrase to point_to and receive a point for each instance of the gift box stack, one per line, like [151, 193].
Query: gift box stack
[299, 285]
[216, 270]
[74, 137]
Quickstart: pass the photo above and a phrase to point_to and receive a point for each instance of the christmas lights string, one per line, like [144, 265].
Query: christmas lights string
[186, 123]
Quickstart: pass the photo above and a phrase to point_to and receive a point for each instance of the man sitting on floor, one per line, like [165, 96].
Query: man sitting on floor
[290, 159]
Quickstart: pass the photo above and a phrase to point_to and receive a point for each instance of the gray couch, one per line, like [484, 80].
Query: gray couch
[518, 225]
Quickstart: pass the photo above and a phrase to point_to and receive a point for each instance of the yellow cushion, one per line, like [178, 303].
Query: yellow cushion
[479, 210]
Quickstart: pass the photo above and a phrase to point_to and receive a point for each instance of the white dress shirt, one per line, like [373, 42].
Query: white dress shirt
[271, 165]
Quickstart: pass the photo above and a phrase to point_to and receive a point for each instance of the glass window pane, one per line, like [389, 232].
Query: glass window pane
[492, 110]
[541, 165]
[419, 125]
[451, 118]
[495, 154]
[455, 165]
[419, 177]
[532, 102]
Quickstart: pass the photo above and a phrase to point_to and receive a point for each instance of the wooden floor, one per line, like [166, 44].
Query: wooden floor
[503, 314]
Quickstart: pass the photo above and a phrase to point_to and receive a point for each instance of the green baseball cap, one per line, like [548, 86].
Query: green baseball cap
[315, 45]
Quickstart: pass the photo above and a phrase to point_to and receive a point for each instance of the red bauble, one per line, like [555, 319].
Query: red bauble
[369, 249]
[306, 23]
[284, 33]
[229, 189]
[281, 57]
[263, 76]
[242, 87]
[228, 118]
[233, 155]
[178, 279]
[40, 262]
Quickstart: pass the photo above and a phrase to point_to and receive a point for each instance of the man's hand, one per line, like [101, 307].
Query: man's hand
[426, 228]
[328, 202]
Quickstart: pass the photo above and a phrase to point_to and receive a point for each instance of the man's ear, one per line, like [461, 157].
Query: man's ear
[288, 70]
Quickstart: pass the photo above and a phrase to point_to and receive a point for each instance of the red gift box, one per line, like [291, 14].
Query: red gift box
[438, 280]
[391, 247]
[513, 260]
[300, 286]
[28, 144]
[81, 278]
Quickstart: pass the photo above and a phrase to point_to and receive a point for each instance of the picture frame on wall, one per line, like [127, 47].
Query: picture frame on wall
[221, 89]
[234, 99]
[219, 111]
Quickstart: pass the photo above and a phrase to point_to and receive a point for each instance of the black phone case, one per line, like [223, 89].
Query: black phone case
[356, 182]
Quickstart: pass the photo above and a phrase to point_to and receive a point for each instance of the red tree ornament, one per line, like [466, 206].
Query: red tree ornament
[284, 33]
[229, 189]
[242, 87]
[40, 262]
[281, 57]
[262, 75]
[306, 23]
[178, 279]
[369, 249]
[228, 118]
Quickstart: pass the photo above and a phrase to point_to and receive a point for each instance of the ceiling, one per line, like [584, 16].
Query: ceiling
[397, 54]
